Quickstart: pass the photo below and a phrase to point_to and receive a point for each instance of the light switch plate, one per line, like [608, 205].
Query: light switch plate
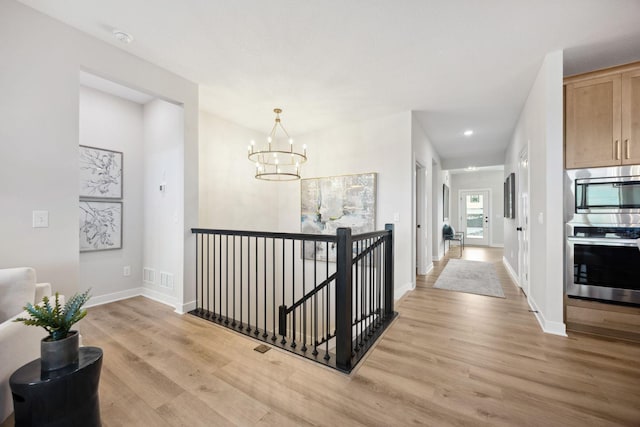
[40, 219]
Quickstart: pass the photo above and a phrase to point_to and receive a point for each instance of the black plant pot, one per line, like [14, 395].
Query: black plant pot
[61, 353]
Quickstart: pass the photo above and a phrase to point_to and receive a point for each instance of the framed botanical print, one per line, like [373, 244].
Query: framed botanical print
[100, 173]
[100, 225]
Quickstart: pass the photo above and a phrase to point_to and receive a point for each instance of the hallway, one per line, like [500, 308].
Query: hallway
[449, 359]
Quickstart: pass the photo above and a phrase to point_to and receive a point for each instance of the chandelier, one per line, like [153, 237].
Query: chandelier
[277, 161]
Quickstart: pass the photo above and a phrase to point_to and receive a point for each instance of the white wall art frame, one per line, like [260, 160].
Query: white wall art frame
[100, 173]
[100, 225]
[333, 202]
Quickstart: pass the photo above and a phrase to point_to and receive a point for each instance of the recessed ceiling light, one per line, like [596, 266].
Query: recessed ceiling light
[468, 132]
[122, 36]
[471, 168]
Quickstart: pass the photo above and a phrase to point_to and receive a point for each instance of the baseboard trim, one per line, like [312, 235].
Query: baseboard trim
[429, 269]
[186, 307]
[497, 245]
[511, 272]
[548, 327]
[160, 297]
[145, 292]
[399, 292]
[113, 297]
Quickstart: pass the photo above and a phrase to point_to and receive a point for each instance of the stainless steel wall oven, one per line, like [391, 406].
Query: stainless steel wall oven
[602, 212]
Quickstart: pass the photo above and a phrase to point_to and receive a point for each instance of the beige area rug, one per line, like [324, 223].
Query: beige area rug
[473, 277]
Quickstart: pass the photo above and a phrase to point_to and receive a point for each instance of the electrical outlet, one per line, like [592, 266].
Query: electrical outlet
[126, 271]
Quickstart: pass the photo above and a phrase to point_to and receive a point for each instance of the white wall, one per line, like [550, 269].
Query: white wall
[540, 128]
[163, 223]
[114, 123]
[492, 180]
[39, 136]
[381, 145]
[230, 196]
[423, 152]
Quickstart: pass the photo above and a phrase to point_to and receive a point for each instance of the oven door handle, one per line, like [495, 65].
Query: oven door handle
[603, 241]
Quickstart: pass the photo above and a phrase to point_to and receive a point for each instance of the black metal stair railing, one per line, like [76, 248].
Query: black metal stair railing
[286, 289]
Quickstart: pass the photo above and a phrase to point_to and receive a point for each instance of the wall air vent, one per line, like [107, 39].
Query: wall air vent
[166, 280]
[149, 275]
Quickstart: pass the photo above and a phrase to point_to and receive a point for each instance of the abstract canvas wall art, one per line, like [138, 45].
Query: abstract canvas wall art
[100, 173]
[333, 202]
[100, 225]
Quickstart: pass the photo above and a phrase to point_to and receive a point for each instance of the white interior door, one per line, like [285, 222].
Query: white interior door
[523, 221]
[474, 216]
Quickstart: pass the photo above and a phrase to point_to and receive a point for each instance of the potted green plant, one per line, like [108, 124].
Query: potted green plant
[60, 348]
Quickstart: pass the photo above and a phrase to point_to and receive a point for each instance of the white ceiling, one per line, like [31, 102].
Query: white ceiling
[476, 169]
[460, 63]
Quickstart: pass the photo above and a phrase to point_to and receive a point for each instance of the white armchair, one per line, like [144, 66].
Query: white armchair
[19, 344]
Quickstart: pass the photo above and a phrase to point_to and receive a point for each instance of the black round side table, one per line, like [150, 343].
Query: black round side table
[64, 397]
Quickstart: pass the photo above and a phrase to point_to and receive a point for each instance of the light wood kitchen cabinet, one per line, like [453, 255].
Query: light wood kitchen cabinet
[602, 118]
[631, 117]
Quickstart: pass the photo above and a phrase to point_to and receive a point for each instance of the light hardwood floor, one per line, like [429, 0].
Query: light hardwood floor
[449, 359]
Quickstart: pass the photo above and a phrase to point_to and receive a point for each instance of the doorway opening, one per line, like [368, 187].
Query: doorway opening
[523, 220]
[475, 211]
[420, 219]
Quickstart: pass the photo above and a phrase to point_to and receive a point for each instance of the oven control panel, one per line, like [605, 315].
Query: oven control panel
[608, 232]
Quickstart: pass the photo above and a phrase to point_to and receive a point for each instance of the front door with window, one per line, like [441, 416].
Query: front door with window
[474, 216]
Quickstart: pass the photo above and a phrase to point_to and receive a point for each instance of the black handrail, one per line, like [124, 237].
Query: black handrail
[369, 235]
[311, 293]
[267, 234]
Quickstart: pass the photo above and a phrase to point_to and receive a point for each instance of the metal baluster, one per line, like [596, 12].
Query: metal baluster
[273, 287]
[234, 282]
[365, 276]
[293, 289]
[226, 270]
[264, 258]
[213, 276]
[361, 287]
[327, 296]
[374, 309]
[198, 267]
[304, 304]
[219, 278]
[378, 281]
[208, 275]
[370, 310]
[356, 285]
[248, 329]
[256, 330]
[241, 326]
[315, 299]
[283, 341]
[323, 298]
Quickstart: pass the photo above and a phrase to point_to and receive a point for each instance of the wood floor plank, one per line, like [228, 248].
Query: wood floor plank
[450, 359]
